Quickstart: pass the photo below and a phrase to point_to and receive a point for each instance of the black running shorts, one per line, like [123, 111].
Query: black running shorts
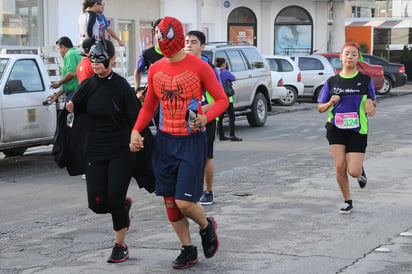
[353, 141]
[211, 134]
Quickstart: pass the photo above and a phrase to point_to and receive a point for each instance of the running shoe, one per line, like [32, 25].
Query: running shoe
[207, 198]
[187, 257]
[223, 138]
[362, 180]
[128, 204]
[210, 242]
[346, 208]
[84, 177]
[120, 254]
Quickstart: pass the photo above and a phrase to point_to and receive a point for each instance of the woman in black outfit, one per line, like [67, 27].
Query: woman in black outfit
[112, 108]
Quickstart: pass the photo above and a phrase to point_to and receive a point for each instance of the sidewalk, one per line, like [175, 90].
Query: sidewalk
[393, 255]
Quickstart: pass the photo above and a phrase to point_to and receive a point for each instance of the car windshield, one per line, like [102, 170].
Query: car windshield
[3, 63]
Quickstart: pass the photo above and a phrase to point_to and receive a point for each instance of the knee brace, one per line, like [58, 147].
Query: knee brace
[173, 211]
[98, 203]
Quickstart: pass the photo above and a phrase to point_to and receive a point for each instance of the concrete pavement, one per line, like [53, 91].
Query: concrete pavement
[276, 216]
[284, 224]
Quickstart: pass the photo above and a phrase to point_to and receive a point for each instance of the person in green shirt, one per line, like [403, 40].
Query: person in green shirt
[71, 58]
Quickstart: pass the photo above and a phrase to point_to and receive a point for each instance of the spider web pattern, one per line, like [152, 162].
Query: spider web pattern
[170, 45]
[175, 93]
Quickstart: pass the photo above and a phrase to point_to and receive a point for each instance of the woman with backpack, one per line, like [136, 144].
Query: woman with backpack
[227, 78]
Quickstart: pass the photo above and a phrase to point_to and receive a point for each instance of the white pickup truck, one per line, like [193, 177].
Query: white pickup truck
[25, 119]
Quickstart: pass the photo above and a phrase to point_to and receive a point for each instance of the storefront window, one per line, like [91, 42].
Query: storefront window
[293, 31]
[242, 15]
[126, 33]
[146, 34]
[21, 23]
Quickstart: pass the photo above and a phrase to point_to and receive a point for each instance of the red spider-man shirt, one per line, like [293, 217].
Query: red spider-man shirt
[179, 86]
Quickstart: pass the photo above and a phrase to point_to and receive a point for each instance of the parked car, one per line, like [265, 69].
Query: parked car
[291, 75]
[253, 85]
[394, 74]
[278, 85]
[315, 70]
[374, 71]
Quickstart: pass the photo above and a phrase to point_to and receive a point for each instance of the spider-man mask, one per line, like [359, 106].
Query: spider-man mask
[170, 36]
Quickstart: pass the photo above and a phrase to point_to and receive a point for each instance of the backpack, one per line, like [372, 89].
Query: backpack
[227, 86]
[88, 25]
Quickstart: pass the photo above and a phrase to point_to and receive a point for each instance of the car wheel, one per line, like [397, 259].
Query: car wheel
[387, 86]
[14, 151]
[290, 98]
[316, 94]
[259, 114]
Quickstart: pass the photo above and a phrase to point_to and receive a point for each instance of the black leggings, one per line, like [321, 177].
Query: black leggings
[107, 184]
[231, 114]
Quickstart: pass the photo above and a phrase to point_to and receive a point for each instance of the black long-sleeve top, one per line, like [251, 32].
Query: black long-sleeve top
[112, 108]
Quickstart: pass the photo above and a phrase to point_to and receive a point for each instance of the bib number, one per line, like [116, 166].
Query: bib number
[347, 120]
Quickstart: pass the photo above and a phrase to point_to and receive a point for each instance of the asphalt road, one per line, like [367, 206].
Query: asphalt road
[276, 206]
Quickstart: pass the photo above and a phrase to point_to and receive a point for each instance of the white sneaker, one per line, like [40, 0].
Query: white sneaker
[346, 208]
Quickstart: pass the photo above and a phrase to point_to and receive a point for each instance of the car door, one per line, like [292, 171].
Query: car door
[258, 70]
[237, 65]
[313, 73]
[24, 115]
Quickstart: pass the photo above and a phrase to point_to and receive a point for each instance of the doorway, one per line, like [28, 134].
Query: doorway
[242, 26]
[127, 34]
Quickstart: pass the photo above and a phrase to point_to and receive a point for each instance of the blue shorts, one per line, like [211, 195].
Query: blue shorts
[179, 165]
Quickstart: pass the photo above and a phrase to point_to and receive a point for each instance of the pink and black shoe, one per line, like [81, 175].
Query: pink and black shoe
[120, 253]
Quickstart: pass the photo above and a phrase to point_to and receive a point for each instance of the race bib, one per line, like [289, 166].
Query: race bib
[347, 120]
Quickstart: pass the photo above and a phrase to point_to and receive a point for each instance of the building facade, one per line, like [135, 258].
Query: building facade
[383, 27]
[274, 26]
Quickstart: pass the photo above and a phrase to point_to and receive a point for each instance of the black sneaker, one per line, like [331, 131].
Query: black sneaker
[207, 198]
[362, 180]
[119, 254]
[346, 208]
[128, 204]
[210, 242]
[235, 139]
[187, 257]
[223, 138]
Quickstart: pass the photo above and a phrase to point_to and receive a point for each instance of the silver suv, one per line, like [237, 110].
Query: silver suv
[253, 85]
